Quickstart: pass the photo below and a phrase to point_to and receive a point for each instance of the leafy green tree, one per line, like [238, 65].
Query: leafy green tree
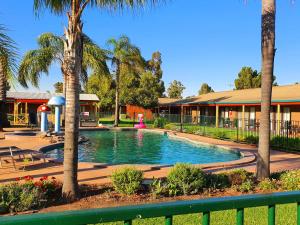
[59, 87]
[154, 66]
[8, 66]
[73, 56]
[205, 88]
[175, 89]
[249, 78]
[103, 86]
[148, 91]
[268, 55]
[126, 61]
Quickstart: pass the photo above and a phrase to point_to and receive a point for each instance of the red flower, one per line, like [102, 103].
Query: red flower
[28, 178]
[18, 179]
[37, 184]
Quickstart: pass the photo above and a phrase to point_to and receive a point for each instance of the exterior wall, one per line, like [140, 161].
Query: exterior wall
[295, 113]
[132, 110]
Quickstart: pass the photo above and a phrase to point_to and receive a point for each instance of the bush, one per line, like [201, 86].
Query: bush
[185, 179]
[290, 180]
[246, 186]
[239, 176]
[251, 139]
[159, 122]
[158, 188]
[217, 181]
[127, 180]
[267, 185]
[30, 194]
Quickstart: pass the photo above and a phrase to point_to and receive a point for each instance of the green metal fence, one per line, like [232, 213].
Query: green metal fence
[166, 210]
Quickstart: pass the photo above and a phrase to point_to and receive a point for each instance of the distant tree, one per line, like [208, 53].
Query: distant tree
[59, 87]
[249, 78]
[126, 59]
[148, 91]
[175, 89]
[205, 88]
[103, 86]
[154, 66]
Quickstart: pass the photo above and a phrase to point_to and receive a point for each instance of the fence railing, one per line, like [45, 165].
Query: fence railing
[166, 210]
[284, 134]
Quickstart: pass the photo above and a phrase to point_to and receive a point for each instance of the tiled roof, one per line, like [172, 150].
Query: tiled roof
[45, 95]
[286, 93]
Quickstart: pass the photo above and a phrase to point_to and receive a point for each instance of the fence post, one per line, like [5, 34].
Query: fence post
[133, 119]
[181, 118]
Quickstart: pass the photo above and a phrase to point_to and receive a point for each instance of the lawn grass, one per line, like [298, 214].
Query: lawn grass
[122, 122]
[285, 215]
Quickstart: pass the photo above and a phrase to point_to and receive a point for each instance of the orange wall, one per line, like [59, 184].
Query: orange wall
[132, 110]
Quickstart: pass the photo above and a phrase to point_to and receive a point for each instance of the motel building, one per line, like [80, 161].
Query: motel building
[240, 108]
[22, 106]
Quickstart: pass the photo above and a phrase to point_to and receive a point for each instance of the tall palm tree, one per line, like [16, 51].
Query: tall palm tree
[125, 57]
[8, 65]
[73, 53]
[268, 54]
[51, 50]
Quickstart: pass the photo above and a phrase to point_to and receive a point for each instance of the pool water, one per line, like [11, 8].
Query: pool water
[144, 147]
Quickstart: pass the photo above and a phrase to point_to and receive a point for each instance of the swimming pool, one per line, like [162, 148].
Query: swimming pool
[144, 147]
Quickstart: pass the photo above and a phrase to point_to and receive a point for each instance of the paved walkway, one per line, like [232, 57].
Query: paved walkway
[90, 173]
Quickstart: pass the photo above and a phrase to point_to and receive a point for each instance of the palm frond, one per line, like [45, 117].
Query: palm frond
[55, 6]
[33, 65]
[94, 57]
[123, 4]
[8, 54]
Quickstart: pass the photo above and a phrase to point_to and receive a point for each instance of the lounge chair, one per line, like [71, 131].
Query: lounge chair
[13, 151]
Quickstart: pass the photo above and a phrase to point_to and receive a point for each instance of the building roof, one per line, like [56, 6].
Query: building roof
[286, 93]
[46, 95]
[167, 101]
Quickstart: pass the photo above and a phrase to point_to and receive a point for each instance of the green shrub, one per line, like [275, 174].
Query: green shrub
[220, 134]
[267, 185]
[217, 181]
[246, 186]
[290, 180]
[286, 143]
[30, 194]
[251, 139]
[159, 122]
[172, 126]
[239, 176]
[158, 188]
[127, 180]
[185, 179]
[123, 116]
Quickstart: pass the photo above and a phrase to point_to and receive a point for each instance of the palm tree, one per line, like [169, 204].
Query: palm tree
[125, 57]
[72, 66]
[268, 54]
[8, 65]
[51, 50]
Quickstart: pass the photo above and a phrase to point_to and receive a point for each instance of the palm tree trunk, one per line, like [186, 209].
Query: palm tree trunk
[268, 53]
[72, 67]
[3, 80]
[117, 99]
[64, 95]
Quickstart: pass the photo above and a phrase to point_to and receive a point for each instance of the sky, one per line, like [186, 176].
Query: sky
[200, 40]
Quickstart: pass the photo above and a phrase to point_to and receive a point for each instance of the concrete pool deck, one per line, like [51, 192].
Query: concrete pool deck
[95, 173]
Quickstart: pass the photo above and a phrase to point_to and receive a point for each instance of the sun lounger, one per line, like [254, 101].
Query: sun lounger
[13, 151]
